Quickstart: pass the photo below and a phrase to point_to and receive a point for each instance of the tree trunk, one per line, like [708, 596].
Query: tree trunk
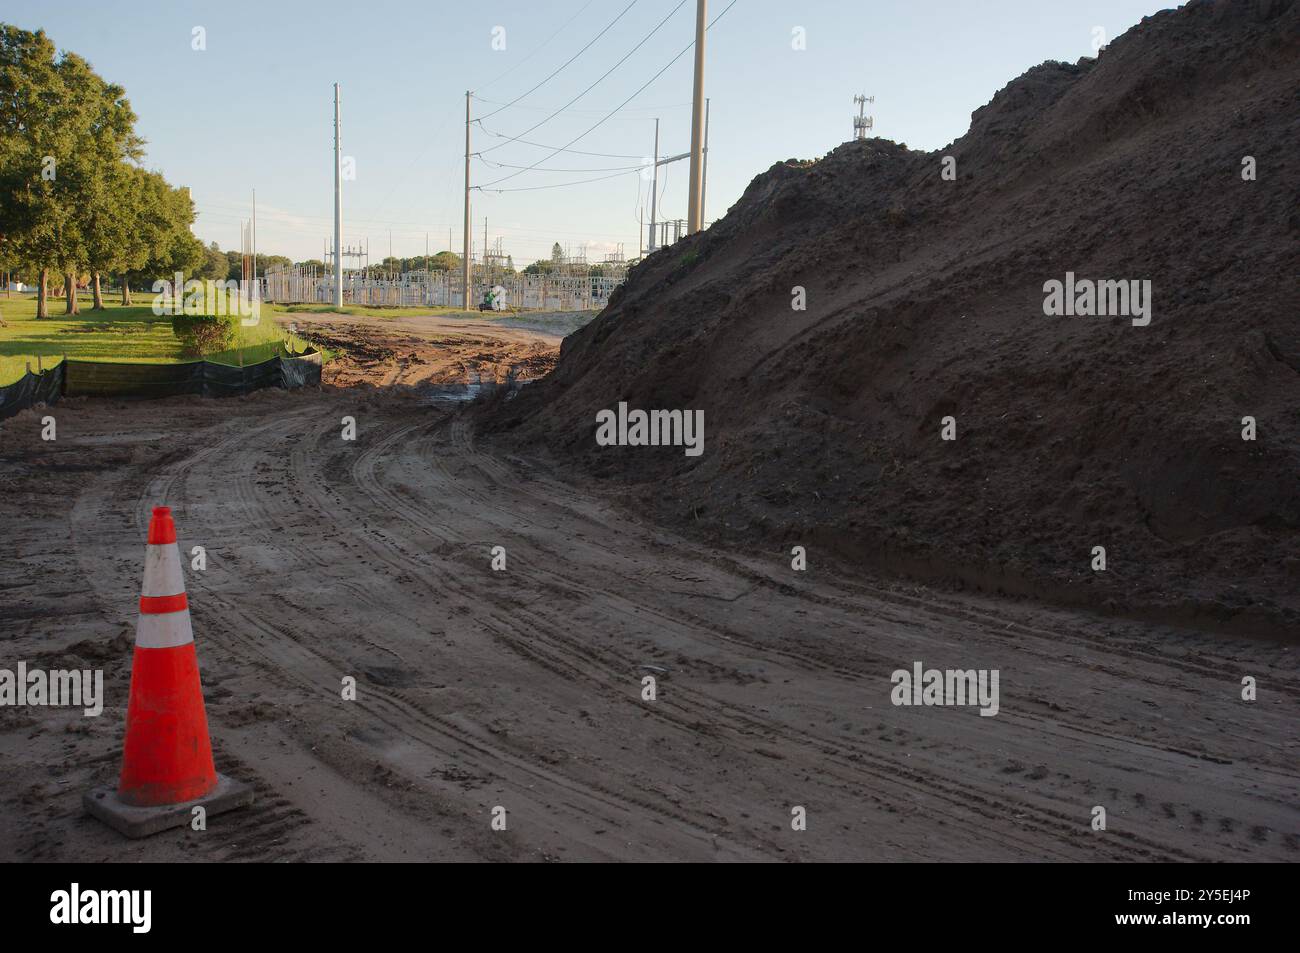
[99, 296]
[70, 289]
[126, 291]
[42, 294]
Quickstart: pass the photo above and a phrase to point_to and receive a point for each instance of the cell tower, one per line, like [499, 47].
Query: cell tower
[862, 123]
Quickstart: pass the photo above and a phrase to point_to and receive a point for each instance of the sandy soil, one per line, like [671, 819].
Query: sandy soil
[522, 688]
[441, 349]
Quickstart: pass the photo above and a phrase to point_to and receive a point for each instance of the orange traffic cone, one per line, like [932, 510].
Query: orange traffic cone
[167, 767]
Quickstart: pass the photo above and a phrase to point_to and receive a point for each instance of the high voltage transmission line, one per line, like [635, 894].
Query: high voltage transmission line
[588, 109]
[600, 80]
[315, 224]
[698, 123]
[537, 49]
[554, 185]
[607, 116]
[590, 43]
[577, 152]
[611, 168]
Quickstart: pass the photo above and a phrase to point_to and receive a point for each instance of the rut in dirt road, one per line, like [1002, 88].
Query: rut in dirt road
[522, 688]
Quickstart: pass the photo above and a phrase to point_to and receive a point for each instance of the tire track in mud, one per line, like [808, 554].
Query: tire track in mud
[960, 798]
[1051, 727]
[286, 654]
[942, 607]
[495, 755]
[265, 830]
[936, 604]
[216, 615]
[231, 623]
[362, 520]
[501, 626]
[396, 711]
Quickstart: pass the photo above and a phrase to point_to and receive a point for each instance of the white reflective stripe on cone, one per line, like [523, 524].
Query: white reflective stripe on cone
[162, 571]
[166, 631]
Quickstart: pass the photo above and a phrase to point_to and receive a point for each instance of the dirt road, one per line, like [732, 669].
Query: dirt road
[523, 688]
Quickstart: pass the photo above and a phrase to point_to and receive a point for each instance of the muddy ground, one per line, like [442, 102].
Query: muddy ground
[523, 688]
[412, 351]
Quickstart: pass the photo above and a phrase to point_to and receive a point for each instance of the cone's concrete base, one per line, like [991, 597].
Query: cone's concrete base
[132, 821]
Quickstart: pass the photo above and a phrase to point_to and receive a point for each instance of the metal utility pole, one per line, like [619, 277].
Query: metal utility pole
[338, 206]
[654, 190]
[465, 265]
[254, 238]
[694, 204]
[862, 123]
[704, 178]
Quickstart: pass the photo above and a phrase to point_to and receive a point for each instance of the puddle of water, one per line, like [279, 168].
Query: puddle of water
[475, 386]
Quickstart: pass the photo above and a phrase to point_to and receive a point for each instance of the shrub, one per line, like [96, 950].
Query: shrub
[202, 334]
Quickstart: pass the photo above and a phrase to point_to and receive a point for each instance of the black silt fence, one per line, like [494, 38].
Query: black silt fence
[96, 379]
[32, 389]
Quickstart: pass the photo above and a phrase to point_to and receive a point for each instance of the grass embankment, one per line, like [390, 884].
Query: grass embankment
[133, 334]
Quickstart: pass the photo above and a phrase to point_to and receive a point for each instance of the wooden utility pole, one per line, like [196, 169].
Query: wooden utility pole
[654, 192]
[694, 205]
[465, 265]
[338, 205]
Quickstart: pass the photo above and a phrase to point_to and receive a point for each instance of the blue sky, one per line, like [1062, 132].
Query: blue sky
[254, 109]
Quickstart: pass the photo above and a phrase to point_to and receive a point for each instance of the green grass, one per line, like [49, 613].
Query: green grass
[133, 334]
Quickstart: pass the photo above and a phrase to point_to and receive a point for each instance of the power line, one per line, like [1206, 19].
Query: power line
[566, 62]
[602, 78]
[556, 185]
[593, 109]
[539, 49]
[576, 152]
[642, 89]
[417, 229]
[612, 168]
[397, 181]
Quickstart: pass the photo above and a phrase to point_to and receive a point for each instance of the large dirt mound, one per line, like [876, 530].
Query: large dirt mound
[925, 299]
